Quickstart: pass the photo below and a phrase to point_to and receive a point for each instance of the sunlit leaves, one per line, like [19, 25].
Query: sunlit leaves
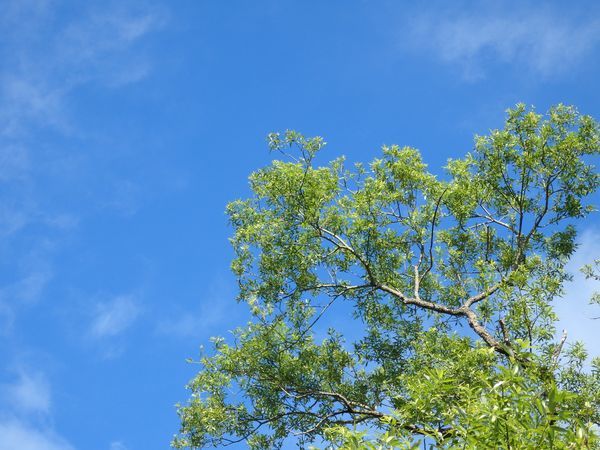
[450, 278]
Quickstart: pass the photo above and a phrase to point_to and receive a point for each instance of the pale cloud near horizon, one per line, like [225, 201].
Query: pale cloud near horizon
[574, 310]
[115, 316]
[545, 42]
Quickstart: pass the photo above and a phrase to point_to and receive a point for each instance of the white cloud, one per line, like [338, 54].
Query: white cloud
[574, 311]
[29, 394]
[117, 445]
[18, 435]
[546, 42]
[47, 62]
[25, 407]
[114, 317]
[102, 47]
[47, 57]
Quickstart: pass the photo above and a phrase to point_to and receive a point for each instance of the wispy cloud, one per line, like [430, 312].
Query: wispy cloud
[16, 434]
[117, 445]
[101, 46]
[114, 317]
[30, 393]
[25, 412]
[47, 62]
[574, 310]
[544, 41]
[48, 57]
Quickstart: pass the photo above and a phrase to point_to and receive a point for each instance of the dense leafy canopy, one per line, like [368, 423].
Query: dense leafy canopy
[451, 280]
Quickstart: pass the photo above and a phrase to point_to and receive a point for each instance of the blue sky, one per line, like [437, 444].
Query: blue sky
[125, 128]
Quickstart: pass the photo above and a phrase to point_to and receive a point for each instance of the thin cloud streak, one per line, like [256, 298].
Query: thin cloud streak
[114, 317]
[44, 66]
[547, 43]
[41, 73]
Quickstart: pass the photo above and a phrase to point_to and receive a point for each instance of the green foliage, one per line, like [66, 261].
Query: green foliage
[451, 282]
[592, 271]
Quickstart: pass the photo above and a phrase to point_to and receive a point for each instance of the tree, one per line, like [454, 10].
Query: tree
[451, 282]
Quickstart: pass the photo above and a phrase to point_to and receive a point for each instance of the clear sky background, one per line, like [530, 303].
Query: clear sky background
[126, 126]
